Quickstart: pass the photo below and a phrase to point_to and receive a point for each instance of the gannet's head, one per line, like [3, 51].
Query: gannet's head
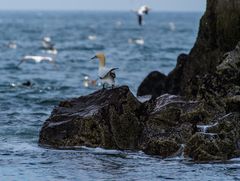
[101, 58]
[146, 9]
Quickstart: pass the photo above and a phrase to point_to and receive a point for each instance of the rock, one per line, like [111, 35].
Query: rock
[174, 80]
[221, 142]
[162, 147]
[218, 33]
[153, 84]
[166, 128]
[106, 118]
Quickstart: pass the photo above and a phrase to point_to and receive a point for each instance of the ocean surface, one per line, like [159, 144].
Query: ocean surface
[78, 36]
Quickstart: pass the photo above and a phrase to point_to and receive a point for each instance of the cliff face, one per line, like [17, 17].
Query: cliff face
[219, 32]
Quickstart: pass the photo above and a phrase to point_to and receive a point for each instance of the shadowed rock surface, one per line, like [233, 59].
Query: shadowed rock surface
[153, 84]
[107, 118]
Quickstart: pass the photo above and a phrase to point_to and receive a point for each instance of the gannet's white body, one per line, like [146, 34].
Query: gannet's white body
[141, 12]
[106, 75]
[36, 59]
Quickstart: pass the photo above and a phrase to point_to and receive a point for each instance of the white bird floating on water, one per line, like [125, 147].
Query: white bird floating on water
[37, 59]
[52, 51]
[48, 46]
[92, 37]
[47, 43]
[12, 45]
[106, 75]
[172, 26]
[139, 41]
[87, 82]
[143, 10]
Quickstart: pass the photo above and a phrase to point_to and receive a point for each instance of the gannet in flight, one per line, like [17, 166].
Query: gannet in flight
[106, 75]
[141, 12]
[36, 59]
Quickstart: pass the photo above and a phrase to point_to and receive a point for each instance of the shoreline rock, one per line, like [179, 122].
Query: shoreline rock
[106, 118]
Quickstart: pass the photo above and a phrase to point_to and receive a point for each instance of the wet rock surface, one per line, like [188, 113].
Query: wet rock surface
[202, 124]
[106, 118]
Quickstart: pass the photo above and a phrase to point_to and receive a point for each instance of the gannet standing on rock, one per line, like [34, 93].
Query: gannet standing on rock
[106, 75]
[141, 12]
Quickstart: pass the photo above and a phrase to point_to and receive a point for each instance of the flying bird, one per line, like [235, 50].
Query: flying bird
[143, 10]
[36, 59]
[106, 75]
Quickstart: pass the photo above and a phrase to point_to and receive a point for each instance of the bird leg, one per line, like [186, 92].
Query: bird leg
[103, 87]
[112, 86]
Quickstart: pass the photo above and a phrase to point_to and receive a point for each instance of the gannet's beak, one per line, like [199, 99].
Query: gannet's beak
[93, 57]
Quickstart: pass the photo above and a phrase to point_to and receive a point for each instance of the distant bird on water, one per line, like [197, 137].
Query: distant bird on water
[106, 75]
[12, 45]
[36, 59]
[48, 46]
[47, 43]
[143, 10]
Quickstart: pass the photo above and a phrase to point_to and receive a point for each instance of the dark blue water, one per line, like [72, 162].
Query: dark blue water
[24, 109]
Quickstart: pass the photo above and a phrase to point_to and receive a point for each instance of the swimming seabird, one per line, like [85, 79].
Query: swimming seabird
[47, 43]
[141, 12]
[87, 82]
[12, 45]
[92, 37]
[139, 41]
[36, 59]
[106, 75]
[52, 51]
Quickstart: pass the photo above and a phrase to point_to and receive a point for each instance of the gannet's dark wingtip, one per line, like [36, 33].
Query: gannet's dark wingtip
[113, 69]
[21, 61]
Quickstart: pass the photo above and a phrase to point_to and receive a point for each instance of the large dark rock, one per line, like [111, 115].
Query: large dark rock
[115, 119]
[219, 33]
[153, 84]
[106, 118]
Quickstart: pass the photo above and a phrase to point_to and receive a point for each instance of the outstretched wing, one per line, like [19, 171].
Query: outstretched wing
[104, 72]
[21, 61]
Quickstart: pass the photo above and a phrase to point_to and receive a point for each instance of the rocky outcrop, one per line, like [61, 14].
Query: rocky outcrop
[115, 119]
[219, 32]
[107, 119]
[202, 124]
